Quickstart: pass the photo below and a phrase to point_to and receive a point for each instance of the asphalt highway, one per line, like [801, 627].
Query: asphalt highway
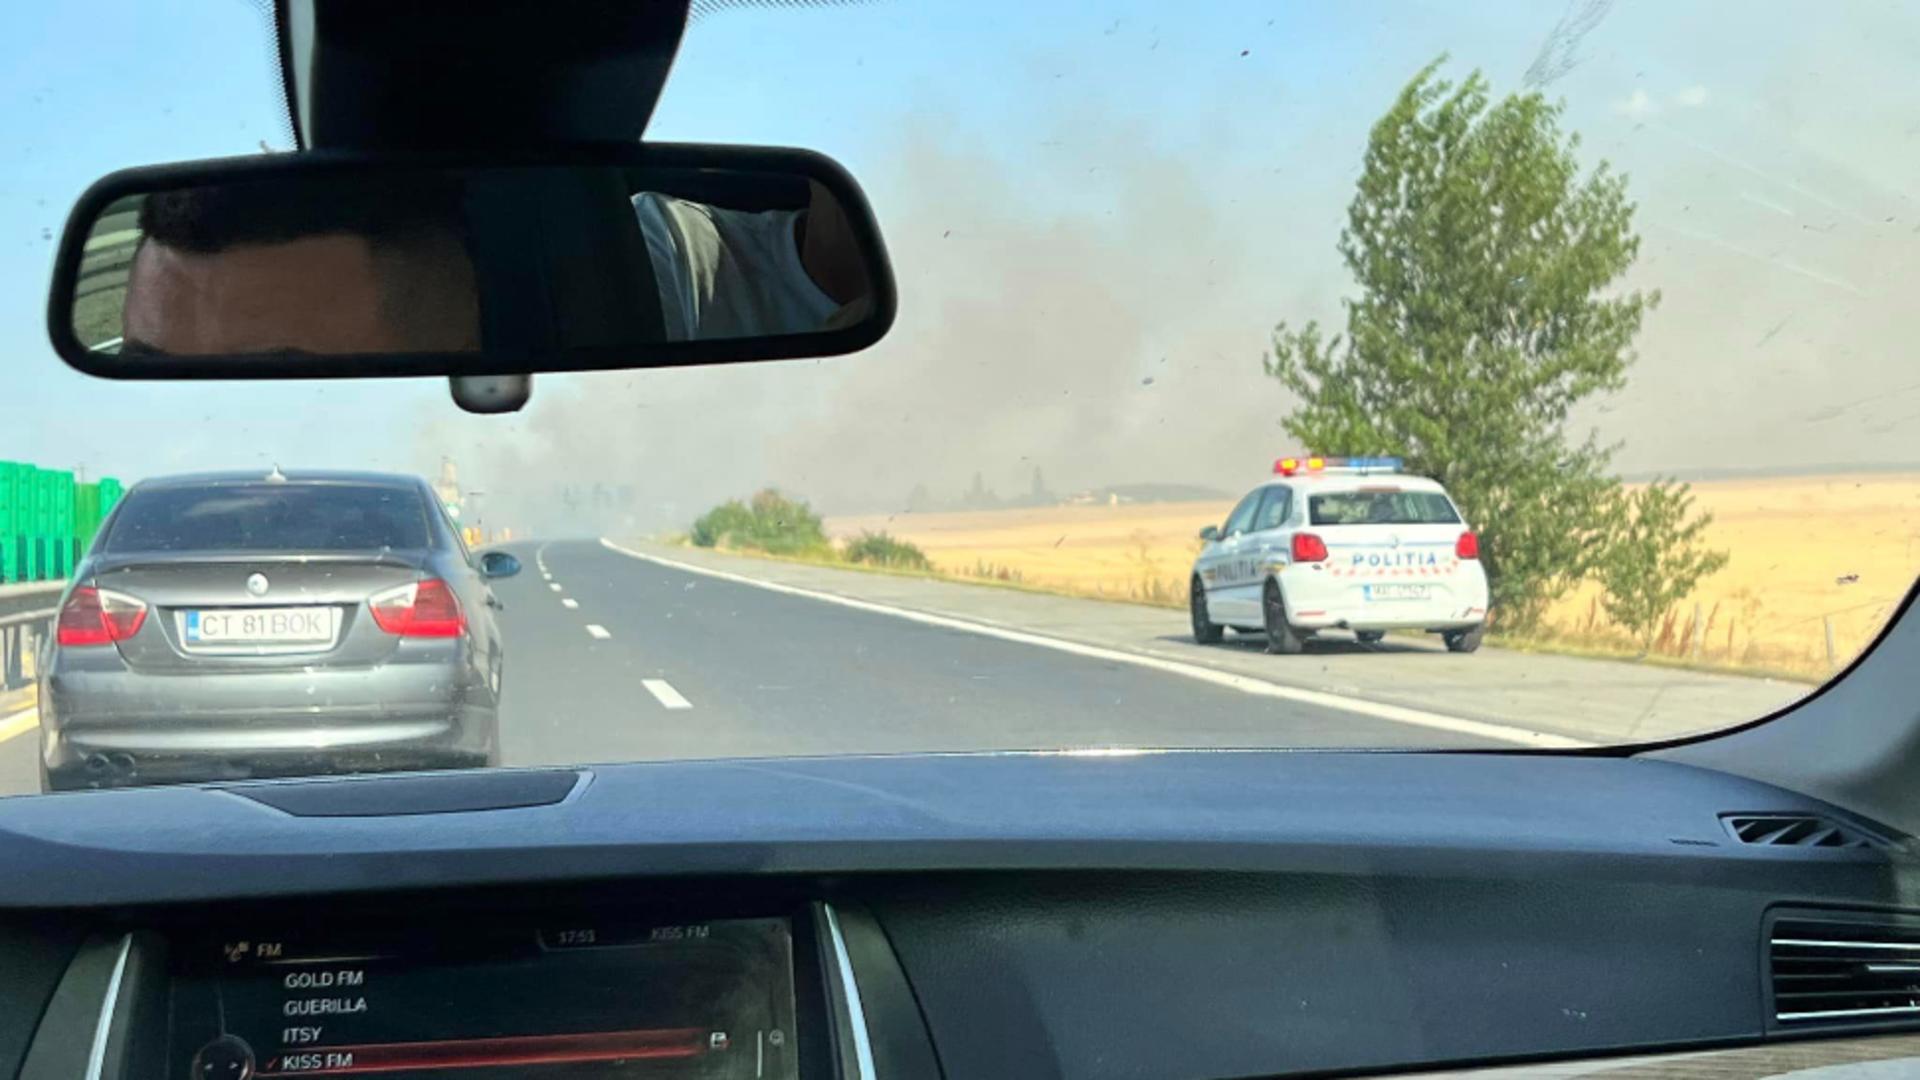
[614, 658]
[624, 652]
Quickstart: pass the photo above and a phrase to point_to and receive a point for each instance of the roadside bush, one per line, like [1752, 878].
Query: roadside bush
[768, 522]
[1652, 560]
[880, 549]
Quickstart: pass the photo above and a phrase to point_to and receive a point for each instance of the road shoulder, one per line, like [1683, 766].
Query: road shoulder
[1535, 700]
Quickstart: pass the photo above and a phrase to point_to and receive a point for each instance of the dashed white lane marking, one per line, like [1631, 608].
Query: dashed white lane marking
[569, 602]
[598, 631]
[540, 560]
[664, 693]
[555, 586]
[1243, 683]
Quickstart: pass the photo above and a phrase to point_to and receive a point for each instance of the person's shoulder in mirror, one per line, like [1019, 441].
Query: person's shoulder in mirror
[724, 272]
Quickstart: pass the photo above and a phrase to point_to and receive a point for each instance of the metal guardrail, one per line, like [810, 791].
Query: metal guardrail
[26, 617]
[20, 637]
[29, 596]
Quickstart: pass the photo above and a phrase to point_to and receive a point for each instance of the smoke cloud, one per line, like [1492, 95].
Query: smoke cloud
[1096, 306]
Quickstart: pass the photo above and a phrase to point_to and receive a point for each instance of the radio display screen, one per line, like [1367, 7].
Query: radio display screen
[585, 1001]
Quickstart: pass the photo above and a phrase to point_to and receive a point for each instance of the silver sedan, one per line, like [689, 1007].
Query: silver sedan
[231, 625]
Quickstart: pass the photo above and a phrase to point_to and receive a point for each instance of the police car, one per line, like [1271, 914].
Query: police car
[1333, 543]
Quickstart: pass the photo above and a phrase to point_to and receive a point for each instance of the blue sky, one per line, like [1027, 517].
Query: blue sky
[1097, 212]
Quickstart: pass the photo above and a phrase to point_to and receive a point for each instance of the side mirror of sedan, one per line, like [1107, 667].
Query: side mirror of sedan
[498, 564]
[1211, 532]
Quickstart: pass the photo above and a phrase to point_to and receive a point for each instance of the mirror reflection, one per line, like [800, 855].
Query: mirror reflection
[469, 261]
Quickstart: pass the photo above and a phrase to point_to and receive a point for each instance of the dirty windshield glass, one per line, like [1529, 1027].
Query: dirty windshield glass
[1571, 342]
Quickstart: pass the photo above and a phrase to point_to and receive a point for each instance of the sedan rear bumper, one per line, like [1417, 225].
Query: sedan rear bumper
[103, 728]
[1451, 619]
[1318, 598]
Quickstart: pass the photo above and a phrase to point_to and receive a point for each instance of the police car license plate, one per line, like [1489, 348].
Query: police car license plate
[260, 626]
[1396, 592]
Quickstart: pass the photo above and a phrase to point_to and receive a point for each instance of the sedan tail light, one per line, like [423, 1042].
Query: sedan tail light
[99, 617]
[1309, 548]
[1468, 546]
[422, 609]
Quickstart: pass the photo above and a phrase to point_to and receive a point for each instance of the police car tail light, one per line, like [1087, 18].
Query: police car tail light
[1309, 548]
[1468, 546]
[98, 617]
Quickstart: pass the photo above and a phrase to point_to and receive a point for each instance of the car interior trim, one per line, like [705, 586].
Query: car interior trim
[1854, 1057]
[849, 992]
[109, 1008]
[1870, 771]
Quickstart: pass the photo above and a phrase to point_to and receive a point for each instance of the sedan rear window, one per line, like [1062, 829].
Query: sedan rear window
[268, 517]
[1382, 508]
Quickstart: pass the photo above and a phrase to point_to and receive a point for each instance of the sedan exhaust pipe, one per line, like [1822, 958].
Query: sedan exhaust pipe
[118, 766]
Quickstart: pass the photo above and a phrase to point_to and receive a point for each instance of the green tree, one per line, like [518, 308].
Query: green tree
[1652, 560]
[1488, 306]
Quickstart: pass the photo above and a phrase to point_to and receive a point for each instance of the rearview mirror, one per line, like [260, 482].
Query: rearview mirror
[1210, 533]
[305, 265]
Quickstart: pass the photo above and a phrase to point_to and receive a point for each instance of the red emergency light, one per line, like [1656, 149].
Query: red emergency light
[1288, 466]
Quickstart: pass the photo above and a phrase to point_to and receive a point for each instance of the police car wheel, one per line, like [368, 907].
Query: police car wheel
[1369, 637]
[1464, 641]
[1205, 630]
[1282, 638]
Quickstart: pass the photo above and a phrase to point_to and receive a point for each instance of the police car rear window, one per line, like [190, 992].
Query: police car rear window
[1381, 508]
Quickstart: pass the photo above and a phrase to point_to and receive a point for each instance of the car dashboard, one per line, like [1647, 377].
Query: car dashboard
[1193, 915]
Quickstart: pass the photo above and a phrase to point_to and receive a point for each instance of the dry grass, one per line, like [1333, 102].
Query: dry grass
[1140, 553]
[1805, 550]
[1794, 543]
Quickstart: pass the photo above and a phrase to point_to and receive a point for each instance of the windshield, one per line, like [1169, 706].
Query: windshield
[1451, 375]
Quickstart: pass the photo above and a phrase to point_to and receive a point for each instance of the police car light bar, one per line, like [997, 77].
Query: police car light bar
[1292, 466]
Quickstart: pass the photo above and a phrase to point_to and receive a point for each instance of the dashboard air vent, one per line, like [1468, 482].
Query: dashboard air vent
[1844, 969]
[1796, 830]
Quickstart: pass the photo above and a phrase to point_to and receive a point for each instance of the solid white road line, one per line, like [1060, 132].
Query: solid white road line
[19, 723]
[664, 693]
[1243, 683]
[598, 631]
[569, 602]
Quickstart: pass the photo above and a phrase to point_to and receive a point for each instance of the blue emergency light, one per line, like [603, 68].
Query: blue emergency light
[1289, 466]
